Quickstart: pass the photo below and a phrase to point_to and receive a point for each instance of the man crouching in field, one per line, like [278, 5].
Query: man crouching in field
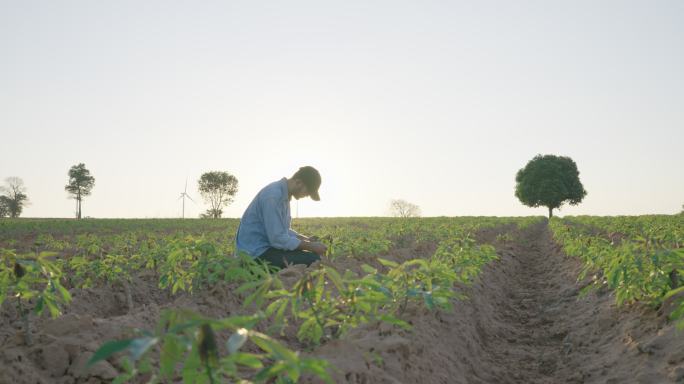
[264, 232]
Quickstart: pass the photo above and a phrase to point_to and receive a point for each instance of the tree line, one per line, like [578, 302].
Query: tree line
[217, 188]
[546, 181]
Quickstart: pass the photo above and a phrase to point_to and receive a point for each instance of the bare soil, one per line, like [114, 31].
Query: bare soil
[523, 322]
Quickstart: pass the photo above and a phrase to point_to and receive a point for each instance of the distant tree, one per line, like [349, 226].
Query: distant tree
[218, 189]
[402, 208]
[14, 198]
[549, 181]
[80, 185]
[4, 206]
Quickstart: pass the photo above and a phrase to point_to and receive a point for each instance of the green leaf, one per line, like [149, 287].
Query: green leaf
[248, 286]
[310, 330]
[122, 378]
[673, 292]
[318, 367]
[66, 296]
[249, 360]
[145, 367]
[247, 321]
[274, 306]
[52, 306]
[276, 293]
[429, 302]
[319, 287]
[388, 263]
[395, 321]
[40, 305]
[335, 278]
[179, 284]
[179, 328]
[274, 348]
[418, 262]
[108, 349]
[280, 315]
[170, 355]
[272, 371]
[190, 366]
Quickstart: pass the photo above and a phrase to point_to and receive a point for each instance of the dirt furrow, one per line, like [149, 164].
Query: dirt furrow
[536, 327]
[539, 297]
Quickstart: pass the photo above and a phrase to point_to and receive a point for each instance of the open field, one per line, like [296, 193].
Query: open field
[431, 300]
[456, 172]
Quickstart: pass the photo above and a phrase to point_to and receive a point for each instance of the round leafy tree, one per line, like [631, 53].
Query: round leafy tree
[549, 181]
[218, 189]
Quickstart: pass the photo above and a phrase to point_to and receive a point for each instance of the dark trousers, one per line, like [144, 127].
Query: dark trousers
[278, 257]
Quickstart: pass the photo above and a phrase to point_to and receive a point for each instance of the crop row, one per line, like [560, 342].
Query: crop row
[641, 258]
[322, 305]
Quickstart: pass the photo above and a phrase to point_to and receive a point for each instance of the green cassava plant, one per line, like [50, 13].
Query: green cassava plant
[188, 347]
[32, 281]
[110, 268]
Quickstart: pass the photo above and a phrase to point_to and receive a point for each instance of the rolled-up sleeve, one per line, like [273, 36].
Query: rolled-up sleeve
[275, 223]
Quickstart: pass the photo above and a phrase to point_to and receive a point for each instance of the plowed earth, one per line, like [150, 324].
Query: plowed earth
[523, 322]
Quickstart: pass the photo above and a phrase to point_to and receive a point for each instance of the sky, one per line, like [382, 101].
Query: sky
[439, 103]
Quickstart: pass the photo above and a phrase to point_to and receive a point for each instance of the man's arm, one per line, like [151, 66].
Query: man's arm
[278, 234]
[312, 246]
[302, 237]
[282, 237]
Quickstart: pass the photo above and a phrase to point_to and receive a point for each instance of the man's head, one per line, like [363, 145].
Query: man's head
[306, 182]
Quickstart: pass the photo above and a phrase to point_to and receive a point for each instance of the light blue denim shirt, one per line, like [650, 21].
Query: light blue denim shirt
[266, 222]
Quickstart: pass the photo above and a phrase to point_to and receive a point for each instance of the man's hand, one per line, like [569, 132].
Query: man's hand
[318, 248]
[313, 246]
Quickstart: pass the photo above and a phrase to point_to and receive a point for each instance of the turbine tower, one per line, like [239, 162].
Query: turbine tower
[183, 195]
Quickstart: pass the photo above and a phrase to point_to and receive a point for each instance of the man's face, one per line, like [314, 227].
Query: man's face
[300, 190]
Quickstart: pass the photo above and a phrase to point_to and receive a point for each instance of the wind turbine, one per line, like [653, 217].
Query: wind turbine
[183, 195]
